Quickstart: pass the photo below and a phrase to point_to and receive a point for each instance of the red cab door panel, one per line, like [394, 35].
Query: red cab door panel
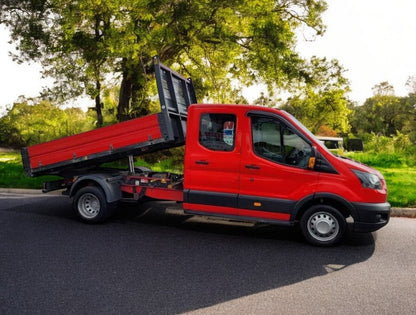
[212, 161]
[274, 173]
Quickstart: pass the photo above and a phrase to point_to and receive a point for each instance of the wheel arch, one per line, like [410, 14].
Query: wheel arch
[110, 188]
[338, 202]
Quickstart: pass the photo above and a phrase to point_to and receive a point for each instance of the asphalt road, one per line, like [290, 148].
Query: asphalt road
[157, 261]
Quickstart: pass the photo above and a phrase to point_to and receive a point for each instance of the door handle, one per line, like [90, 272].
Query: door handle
[202, 162]
[252, 166]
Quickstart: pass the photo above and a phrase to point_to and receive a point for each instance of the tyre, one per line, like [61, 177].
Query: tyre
[91, 206]
[323, 225]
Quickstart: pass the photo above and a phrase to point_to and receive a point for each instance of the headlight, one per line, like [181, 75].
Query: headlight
[368, 180]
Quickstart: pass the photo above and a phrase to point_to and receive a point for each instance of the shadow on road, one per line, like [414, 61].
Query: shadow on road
[149, 261]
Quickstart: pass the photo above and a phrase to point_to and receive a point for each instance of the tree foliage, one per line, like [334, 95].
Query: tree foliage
[88, 45]
[315, 110]
[410, 120]
[381, 114]
[29, 122]
[383, 89]
[323, 103]
[411, 84]
[385, 114]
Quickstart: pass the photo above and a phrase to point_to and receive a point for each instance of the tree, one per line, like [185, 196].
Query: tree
[30, 121]
[326, 131]
[315, 110]
[67, 39]
[410, 116]
[381, 114]
[384, 114]
[411, 84]
[215, 42]
[383, 89]
[322, 101]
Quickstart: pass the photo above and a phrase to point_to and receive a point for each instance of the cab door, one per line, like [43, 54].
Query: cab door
[274, 168]
[212, 161]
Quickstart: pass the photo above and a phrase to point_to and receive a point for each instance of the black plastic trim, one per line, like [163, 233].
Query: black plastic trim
[329, 196]
[371, 216]
[266, 204]
[255, 203]
[211, 198]
[322, 165]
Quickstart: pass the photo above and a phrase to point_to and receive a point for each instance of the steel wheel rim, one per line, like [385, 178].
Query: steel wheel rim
[323, 226]
[89, 205]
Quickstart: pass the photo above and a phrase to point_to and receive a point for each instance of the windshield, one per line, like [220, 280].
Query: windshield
[306, 130]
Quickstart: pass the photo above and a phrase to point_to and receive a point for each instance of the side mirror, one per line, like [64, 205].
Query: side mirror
[312, 159]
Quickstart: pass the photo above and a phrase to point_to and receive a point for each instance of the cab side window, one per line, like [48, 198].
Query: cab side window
[274, 141]
[217, 131]
[267, 140]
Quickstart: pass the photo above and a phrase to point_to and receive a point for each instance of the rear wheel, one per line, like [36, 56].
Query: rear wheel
[323, 225]
[91, 205]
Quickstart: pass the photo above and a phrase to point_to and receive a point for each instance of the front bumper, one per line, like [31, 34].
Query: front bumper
[371, 216]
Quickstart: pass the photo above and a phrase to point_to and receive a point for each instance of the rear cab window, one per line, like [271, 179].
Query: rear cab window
[217, 131]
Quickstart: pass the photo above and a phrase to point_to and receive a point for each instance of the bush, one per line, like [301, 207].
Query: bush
[377, 143]
[381, 151]
[354, 145]
[28, 123]
[173, 157]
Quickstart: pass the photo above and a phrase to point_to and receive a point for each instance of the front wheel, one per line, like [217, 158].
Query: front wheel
[323, 225]
[91, 205]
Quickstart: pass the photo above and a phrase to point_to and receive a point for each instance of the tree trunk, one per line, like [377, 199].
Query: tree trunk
[132, 101]
[99, 105]
[123, 107]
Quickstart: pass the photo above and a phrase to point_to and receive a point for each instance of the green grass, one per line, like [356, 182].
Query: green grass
[401, 183]
[12, 174]
[382, 159]
[399, 171]
[401, 179]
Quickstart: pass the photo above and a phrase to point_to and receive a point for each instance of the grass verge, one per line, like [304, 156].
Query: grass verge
[401, 183]
[12, 174]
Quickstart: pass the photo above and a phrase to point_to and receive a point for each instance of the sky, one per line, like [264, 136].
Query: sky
[374, 40]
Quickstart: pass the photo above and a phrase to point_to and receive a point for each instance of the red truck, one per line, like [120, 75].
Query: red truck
[242, 162]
